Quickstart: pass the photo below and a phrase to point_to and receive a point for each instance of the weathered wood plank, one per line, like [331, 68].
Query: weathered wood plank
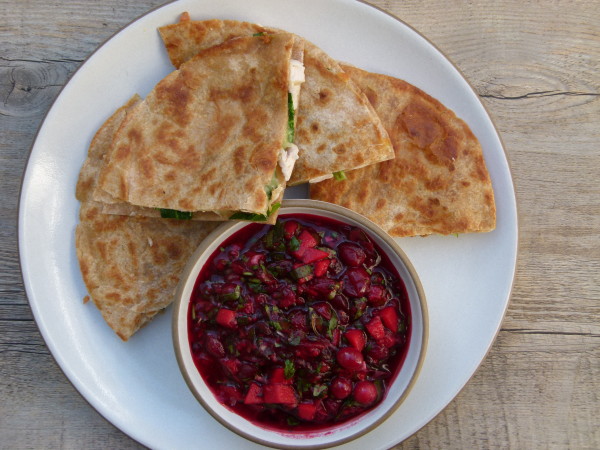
[532, 391]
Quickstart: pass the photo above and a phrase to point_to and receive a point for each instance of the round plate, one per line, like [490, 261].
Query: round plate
[137, 385]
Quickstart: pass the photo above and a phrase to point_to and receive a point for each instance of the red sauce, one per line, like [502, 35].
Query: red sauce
[301, 325]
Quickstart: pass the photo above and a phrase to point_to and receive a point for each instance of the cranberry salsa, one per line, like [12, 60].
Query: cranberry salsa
[300, 325]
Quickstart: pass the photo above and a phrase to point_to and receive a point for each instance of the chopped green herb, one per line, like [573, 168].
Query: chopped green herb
[273, 184]
[291, 114]
[318, 390]
[292, 421]
[294, 243]
[174, 214]
[260, 34]
[332, 324]
[289, 370]
[301, 272]
[302, 385]
[232, 295]
[339, 176]
[295, 340]
[257, 288]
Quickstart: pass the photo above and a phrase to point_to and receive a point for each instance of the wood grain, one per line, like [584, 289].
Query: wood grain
[536, 67]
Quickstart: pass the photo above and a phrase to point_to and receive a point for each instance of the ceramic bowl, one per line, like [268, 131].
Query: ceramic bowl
[397, 390]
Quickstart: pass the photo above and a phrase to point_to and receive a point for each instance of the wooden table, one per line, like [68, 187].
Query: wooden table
[536, 67]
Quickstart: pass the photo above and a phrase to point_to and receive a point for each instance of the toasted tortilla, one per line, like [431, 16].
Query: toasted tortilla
[130, 265]
[198, 142]
[337, 128]
[437, 183]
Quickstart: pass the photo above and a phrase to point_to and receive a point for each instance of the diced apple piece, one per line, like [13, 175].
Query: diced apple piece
[356, 338]
[307, 240]
[277, 376]
[307, 411]
[375, 328]
[313, 254]
[321, 267]
[278, 393]
[254, 395]
[389, 317]
[289, 228]
[226, 318]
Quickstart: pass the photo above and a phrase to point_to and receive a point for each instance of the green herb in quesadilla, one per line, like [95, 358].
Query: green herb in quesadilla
[291, 114]
[256, 217]
[339, 176]
[174, 214]
[273, 184]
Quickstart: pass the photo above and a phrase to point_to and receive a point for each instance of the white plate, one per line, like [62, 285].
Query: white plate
[137, 385]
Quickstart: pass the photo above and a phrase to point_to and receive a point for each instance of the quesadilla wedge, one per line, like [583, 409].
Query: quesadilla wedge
[214, 137]
[438, 182]
[130, 265]
[337, 128]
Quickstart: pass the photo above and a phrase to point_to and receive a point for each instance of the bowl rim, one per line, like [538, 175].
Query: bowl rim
[316, 205]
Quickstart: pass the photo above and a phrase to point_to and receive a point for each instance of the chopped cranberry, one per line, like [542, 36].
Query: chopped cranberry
[358, 235]
[289, 228]
[350, 358]
[377, 352]
[298, 320]
[365, 392]
[341, 387]
[323, 309]
[255, 258]
[340, 301]
[214, 346]
[377, 295]
[356, 282]
[351, 254]
[231, 395]
[231, 365]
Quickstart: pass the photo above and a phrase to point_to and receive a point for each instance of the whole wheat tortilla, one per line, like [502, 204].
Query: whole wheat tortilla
[100, 145]
[438, 182]
[130, 265]
[337, 128]
[198, 142]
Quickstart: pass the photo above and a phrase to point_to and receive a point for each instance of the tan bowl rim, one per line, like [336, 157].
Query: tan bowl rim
[317, 206]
